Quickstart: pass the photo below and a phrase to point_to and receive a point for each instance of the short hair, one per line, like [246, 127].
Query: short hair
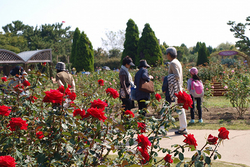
[172, 51]
[126, 60]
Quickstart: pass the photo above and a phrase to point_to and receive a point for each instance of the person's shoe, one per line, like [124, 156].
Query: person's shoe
[200, 121]
[191, 121]
[181, 132]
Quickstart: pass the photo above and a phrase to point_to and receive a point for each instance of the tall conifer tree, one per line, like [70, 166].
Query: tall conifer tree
[84, 54]
[76, 37]
[203, 55]
[131, 40]
[149, 48]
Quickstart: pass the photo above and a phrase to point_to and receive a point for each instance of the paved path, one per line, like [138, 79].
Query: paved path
[235, 150]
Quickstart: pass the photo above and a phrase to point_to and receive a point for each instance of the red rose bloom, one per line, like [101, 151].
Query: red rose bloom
[112, 92]
[26, 83]
[168, 159]
[17, 123]
[145, 155]
[4, 79]
[98, 104]
[101, 82]
[223, 133]
[5, 110]
[185, 99]
[39, 135]
[130, 113]
[72, 96]
[212, 139]
[158, 96]
[7, 161]
[61, 89]
[190, 140]
[53, 96]
[142, 126]
[143, 141]
[79, 112]
[97, 113]
[44, 63]
[32, 98]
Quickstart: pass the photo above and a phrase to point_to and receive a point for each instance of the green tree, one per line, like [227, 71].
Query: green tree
[131, 40]
[203, 55]
[149, 48]
[73, 50]
[239, 30]
[84, 54]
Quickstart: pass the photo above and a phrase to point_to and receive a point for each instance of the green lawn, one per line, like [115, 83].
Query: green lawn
[216, 101]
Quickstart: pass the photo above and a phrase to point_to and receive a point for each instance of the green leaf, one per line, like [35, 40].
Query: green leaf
[176, 160]
[207, 160]
[215, 156]
[66, 133]
[181, 156]
[207, 152]
[98, 140]
[131, 142]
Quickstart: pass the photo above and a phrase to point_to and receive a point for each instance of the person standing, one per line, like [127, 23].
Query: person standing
[195, 88]
[62, 77]
[141, 96]
[126, 83]
[175, 68]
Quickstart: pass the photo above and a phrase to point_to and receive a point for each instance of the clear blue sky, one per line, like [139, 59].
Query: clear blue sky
[173, 21]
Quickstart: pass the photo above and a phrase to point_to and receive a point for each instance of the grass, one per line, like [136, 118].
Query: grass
[217, 101]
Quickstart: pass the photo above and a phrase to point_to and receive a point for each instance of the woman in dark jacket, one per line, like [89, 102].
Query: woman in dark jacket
[141, 96]
[126, 83]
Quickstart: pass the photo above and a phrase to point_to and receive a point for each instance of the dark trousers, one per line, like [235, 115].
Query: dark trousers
[198, 105]
[142, 105]
[126, 104]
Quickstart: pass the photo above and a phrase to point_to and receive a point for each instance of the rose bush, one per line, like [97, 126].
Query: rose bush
[56, 130]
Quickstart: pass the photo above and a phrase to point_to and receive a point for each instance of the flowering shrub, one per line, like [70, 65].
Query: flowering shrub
[50, 128]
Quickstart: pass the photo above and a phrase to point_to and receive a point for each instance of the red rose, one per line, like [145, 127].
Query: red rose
[17, 123]
[72, 96]
[212, 139]
[101, 82]
[142, 126]
[39, 135]
[97, 113]
[130, 113]
[223, 133]
[79, 112]
[190, 140]
[26, 83]
[158, 96]
[168, 159]
[145, 155]
[53, 96]
[5, 110]
[32, 98]
[7, 161]
[112, 92]
[143, 141]
[44, 63]
[4, 79]
[185, 99]
[98, 104]
[61, 89]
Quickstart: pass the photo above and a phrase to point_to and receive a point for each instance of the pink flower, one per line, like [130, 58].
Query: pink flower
[206, 88]
[225, 87]
[224, 72]
[110, 83]
[232, 71]
[212, 87]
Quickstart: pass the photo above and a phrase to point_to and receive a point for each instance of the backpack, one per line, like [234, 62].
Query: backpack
[197, 88]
